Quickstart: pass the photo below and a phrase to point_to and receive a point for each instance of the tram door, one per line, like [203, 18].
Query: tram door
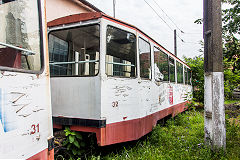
[25, 110]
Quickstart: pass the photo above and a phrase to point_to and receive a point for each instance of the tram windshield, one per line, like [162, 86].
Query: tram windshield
[20, 35]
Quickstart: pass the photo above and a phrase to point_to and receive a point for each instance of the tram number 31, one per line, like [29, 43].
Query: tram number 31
[34, 129]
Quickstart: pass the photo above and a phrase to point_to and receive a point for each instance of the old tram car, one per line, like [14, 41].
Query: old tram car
[25, 106]
[110, 78]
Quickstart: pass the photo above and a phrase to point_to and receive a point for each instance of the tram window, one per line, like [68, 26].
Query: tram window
[75, 51]
[145, 59]
[186, 75]
[20, 38]
[121, 53]
[58, 53]
[172, 69]
[179, 72]
[160, 65]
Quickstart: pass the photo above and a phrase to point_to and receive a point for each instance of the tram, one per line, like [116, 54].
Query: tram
[25, 105]
[110, 78]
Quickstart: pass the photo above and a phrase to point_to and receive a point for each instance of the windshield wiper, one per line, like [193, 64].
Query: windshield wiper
[24, 51]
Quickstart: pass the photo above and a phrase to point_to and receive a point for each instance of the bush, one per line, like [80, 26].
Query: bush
[231, 80]
[197, 67]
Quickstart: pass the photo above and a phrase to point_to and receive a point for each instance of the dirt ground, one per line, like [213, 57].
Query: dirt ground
[232, 110]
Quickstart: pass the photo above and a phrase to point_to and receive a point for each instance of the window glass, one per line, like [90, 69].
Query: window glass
[20, 35]
[172, 69]
[145, 59]
[160, 65]
[179, 72]
[121, 53]
[74, 51]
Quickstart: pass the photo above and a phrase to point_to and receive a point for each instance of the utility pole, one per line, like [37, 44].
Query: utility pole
[114, 5]
[175, 42]
[214, 111]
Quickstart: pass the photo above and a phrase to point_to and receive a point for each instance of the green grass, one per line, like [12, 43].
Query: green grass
[181, 138]
[232, 101]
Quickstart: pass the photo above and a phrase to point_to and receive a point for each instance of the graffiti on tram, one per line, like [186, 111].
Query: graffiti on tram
[7, 114]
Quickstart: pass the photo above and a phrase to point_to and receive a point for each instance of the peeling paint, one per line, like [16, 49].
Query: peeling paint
[215, 131]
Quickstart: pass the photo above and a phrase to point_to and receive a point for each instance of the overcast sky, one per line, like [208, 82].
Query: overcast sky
[182, 12]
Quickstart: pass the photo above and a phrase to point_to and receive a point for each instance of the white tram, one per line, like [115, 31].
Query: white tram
[25, 106]
[110, 78]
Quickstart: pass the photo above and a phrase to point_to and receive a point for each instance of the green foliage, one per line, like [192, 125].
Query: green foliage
[231, 47]
[232, 101]
[196, 65]
[231, 52]
[231, 81]
[74, 143]
[231, 17]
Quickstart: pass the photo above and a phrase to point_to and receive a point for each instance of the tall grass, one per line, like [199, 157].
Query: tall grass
[181, 138]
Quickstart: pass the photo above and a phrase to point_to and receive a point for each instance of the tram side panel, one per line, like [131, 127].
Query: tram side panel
[76, 97]
[25, 115]
[132, 109]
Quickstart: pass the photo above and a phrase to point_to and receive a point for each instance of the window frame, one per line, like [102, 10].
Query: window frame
[177, 62]
[151, 77]
[136, 53]
[41, 52]
[73, 27]
[167, 62]
[169, 73]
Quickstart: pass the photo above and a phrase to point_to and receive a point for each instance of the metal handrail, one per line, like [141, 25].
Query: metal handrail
[121, 64]
[25, 51]
[73, 62]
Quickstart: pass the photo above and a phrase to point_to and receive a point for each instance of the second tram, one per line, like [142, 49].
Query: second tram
[110, 78]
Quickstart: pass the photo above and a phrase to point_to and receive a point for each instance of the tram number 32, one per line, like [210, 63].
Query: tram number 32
[34, 129]
[115, 104]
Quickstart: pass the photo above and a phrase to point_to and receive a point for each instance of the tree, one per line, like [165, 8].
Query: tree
[196, 65]
[231, 17]
[231, 23]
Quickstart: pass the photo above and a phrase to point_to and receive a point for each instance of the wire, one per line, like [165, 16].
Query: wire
[169, 17]
[158, 14]
[162, 19]
[172, 22]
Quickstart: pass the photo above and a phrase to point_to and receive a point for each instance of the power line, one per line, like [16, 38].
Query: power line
[169, 17]
[162, 19]
[158, 14]
[172, 22]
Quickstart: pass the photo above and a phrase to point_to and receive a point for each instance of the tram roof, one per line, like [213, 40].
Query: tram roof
[96, 15]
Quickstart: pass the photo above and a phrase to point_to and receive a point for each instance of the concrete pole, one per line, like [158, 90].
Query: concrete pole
[175, 42]
[214, 111]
